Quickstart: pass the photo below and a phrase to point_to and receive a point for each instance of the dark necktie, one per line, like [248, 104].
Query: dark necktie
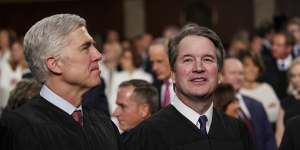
[202, 120]
[77, 116]
[246, 121]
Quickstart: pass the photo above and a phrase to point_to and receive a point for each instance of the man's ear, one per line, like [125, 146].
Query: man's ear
[53, 65]
[145, 110]
[220, 78]
[173, 77]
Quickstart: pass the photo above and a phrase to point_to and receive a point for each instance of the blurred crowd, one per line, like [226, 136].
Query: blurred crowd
[262, 64]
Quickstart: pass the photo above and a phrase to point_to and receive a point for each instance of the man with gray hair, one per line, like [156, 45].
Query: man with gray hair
[190, 122]
[62, 56]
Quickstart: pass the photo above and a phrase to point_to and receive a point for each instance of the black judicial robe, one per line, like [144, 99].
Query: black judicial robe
[39, 125]
[170, 130]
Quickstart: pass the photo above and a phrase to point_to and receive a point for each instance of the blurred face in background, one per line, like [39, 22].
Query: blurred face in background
[294, 29]
[17, 52]
[159, 62]
[256, 44]
[295, 77]
[126, 60]
[233, 73]
[279, 48]
[251, 71]
[4, 39]
[112, 52]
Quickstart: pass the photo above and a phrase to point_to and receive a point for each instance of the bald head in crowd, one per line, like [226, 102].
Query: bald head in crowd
[233, 73]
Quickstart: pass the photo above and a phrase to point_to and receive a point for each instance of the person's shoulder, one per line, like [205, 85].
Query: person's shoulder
[251, 100]
[96, 115]
[294, 122]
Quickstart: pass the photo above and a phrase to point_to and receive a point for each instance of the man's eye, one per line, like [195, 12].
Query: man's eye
[208, 60]
[188, 60]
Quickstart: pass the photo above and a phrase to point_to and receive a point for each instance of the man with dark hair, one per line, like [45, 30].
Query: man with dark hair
[137, 100]
[278, 63]
[190, 122]
[61, 55]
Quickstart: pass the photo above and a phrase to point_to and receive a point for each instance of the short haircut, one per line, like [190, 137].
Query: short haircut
[160, 41]
[48, 37]
[289, 38]
[144, 92]
[193, 29]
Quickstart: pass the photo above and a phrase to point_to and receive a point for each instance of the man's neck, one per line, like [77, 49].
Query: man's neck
[198, 105]
[70, 93]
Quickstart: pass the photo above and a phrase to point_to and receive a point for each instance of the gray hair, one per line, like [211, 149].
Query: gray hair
[47, 38]
[160, 41]
[194, 29]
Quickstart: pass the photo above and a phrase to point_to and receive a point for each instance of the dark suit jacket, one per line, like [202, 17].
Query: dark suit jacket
[95, 98]
[264, 138]
[291, 135]
[170, 130]
[158, 84]
[39, 125]
[276, 78]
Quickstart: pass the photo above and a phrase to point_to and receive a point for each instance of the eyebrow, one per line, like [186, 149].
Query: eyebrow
[87, 43]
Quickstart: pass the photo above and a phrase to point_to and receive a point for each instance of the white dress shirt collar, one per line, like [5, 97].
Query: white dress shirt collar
[192, 115]
[243, 105]
[286, 61]
[58, 101]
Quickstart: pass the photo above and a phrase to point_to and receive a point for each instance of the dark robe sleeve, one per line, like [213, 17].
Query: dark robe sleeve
[16, 134]
[144, 138]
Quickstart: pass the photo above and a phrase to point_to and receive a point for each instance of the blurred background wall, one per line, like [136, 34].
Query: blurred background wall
[133, 17]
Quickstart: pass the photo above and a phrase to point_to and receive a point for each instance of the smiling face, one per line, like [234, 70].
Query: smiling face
[196, 71]
[78, 62]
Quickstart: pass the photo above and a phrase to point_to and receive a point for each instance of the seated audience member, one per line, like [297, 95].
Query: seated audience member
[291, 135]
[158, 56]
[137, 100]
[278, 63]
[225, 100]
[291, 104]
[129, 62]
[261, 91]
[25, 90]
[252, 112]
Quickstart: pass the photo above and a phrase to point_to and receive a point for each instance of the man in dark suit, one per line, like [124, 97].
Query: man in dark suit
[252, 111]
[190, 122]
[61, 55]
[158, 56]
[95, 98]
[291, 135]
[278, 63]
